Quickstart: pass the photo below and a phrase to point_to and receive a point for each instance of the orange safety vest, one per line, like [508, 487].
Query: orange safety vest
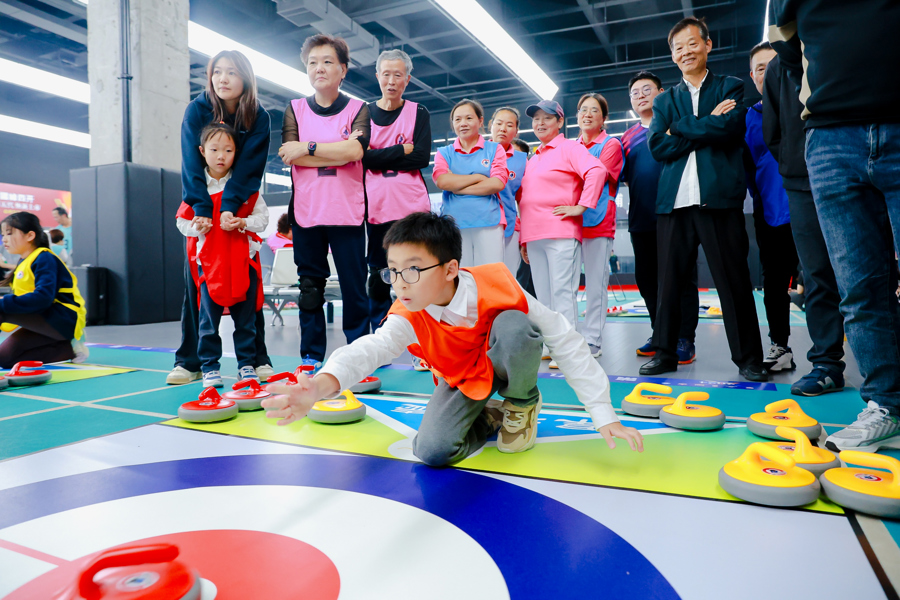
[225, 256]
[459, 354]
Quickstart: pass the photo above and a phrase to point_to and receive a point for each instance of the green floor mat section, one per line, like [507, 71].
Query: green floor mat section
[124, 382]
[364, 437]
[11, 406]
[673, 461]
[70, 424]
[840, 408]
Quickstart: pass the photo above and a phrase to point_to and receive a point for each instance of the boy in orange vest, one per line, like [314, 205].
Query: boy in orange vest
[480, 333]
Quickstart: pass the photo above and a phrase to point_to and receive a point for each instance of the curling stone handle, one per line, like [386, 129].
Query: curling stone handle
[790, 404]
[683, 398]
[877, 461]
[25, 364]
[286, 377]
[803, 451]
[350, 396]
[656, 388]
[209, 393]
[123, 557]
[246, 383]
[756, 451]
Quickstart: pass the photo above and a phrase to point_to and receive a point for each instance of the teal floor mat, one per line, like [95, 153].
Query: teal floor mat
[164, 401]
[24, 435]
[11, 406]
[113, 385]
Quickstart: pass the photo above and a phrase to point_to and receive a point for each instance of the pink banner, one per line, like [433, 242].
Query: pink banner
[40, 201]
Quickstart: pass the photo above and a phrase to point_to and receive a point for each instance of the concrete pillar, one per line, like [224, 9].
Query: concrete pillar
[160, 88]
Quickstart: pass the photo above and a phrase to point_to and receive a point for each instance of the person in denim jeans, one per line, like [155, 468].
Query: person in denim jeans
[853, 157]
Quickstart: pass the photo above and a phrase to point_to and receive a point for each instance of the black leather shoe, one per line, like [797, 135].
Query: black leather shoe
[754, 373]
[659, 365]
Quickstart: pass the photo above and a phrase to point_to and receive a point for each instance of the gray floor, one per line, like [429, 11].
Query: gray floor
[619, 342]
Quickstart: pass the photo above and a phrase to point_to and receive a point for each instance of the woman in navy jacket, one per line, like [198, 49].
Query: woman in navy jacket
[230, 97]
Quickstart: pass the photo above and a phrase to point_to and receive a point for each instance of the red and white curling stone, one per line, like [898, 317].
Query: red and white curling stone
[28, 373]
[248, 394]
[209, 408]
[366, 386]
[136, 572]
[284, 378]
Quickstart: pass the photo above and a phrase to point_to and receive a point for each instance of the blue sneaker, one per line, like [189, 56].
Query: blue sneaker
[309, 361]
[647, 349]
[686, 352]
[817, 382]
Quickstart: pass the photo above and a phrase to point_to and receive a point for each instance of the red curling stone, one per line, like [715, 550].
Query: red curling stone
[21, 373]
[248, 394]
[368, 385]
[209, 408]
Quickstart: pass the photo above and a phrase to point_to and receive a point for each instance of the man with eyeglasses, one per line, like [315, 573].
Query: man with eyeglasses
[699, 137]
[641, 174]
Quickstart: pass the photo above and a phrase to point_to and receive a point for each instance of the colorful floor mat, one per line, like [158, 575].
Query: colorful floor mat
[568, 449]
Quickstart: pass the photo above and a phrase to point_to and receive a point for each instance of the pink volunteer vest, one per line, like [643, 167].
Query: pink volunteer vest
[327, 195]
[393, 195]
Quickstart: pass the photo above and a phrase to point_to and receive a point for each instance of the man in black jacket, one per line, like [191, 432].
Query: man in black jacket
[853, 157]
[783, 134]
[698, 135]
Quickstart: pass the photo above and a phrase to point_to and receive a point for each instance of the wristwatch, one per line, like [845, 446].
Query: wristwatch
[312, 148]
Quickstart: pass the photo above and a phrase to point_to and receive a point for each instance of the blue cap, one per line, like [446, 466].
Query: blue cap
[548, 106]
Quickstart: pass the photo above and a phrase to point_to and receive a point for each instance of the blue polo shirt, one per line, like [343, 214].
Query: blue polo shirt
[640, 172]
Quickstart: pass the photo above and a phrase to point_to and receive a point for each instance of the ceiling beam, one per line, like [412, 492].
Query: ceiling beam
[599, 28]
[37, 18]
[688, 7]
[382, 11]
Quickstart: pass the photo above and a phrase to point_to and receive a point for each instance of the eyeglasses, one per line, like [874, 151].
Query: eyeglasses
[589, 110]
[409, 274]
[644, 91]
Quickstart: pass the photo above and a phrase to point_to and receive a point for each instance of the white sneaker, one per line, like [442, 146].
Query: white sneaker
[180, 376]
[264, 372]
[245, 373]
[553, 364]
[779, 358]
[873, 428]
[545, 353]
[212, 379]
[419, 364]
[596, 352]
[81, 351]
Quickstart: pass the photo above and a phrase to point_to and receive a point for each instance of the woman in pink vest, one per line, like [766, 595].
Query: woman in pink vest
[598, 231]
[562, 181]
[324, 138]
[399, 147]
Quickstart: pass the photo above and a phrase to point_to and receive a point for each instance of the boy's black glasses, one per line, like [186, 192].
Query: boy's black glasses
[409, 274]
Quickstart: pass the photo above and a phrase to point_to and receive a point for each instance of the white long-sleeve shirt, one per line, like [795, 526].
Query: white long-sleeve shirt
[584, 374]
[257, 221]
[689, 187]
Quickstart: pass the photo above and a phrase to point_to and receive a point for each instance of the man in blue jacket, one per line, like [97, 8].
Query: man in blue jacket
[772, 219]
[699, 137]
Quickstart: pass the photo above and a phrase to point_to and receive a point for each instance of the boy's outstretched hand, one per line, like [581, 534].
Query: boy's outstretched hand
[629, 434]
[293, 402]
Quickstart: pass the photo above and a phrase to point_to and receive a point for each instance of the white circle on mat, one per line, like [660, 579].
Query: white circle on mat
[381, 548]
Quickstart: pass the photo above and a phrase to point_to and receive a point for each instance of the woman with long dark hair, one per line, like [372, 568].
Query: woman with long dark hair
[230, 98]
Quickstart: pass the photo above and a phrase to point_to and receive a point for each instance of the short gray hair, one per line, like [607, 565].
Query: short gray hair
[394, 55]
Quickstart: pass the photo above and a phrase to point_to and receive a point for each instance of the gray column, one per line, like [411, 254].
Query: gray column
[160, 88]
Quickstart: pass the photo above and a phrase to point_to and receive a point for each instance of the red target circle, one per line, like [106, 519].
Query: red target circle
[242, 564]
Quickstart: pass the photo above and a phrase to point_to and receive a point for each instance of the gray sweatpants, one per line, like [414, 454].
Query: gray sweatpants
[454, 425]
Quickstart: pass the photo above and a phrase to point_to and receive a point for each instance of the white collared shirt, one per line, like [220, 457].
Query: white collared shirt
[583, 373]
[257, 221]
[689, 188]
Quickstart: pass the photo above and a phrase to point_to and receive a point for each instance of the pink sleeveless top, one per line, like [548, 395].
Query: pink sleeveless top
[393, 195]
[327, 195]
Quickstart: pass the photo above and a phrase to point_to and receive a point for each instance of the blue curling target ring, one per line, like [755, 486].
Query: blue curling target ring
[562, 553]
